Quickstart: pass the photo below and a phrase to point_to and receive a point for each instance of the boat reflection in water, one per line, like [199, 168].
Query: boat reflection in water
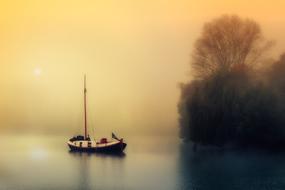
[87, 179]
[113, 155]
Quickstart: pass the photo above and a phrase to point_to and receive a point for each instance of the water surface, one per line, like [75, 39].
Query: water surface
[44, 162]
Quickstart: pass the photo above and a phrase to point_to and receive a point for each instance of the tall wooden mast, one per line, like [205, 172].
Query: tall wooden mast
[85, 110]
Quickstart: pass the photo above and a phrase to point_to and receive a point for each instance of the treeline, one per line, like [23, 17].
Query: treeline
[236, 96]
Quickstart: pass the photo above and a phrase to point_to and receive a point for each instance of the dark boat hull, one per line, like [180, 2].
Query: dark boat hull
[115, 148]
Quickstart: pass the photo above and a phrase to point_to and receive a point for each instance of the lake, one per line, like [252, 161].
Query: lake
[45, 163]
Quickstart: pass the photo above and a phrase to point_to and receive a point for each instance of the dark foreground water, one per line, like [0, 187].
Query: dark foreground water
[35, 163]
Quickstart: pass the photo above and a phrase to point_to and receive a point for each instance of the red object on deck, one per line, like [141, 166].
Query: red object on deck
[103, 140]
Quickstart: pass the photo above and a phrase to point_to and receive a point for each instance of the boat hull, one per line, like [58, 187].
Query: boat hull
[113, 148]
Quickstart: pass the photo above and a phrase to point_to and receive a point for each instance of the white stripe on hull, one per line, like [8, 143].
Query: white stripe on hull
[94, 146]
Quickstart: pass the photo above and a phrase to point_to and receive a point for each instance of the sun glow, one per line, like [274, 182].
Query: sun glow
[38, 154]
[37, 72]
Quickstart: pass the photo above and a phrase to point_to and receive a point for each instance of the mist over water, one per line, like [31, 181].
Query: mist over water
[134, 53]
[44, 162]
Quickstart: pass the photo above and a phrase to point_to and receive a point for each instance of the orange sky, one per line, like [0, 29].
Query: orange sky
[133, 52]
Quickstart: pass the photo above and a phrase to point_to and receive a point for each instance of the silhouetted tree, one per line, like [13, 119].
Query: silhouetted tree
[276, 82]
[226, 43]
[277, 74]
[226, 103]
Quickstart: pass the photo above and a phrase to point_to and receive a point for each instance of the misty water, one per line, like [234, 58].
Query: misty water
[44, 162]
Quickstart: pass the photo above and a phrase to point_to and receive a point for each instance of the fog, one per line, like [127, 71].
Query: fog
[133, 53]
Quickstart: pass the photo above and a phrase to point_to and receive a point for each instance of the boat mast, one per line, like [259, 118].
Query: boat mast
[85, 112]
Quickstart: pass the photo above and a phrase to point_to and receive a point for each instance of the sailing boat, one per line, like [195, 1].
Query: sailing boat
[85, 144]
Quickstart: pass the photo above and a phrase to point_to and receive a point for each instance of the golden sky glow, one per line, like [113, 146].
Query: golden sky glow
[133, 52]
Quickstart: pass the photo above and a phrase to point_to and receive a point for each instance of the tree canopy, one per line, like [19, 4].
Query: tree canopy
[226, 43]
[226, 102]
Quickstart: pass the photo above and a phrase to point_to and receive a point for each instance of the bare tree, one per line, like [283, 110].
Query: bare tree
[226, 43]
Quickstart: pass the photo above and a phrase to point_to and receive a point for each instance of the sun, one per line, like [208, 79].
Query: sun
[37, 72]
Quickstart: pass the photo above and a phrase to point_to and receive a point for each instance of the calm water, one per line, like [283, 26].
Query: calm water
[149, 163]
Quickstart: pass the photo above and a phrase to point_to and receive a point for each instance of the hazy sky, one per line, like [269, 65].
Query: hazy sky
[134, 54]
